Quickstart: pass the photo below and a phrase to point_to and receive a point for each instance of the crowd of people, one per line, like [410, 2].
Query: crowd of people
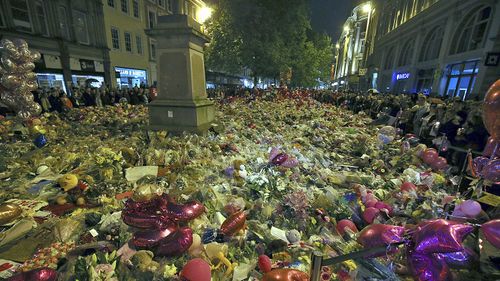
[55, 99]
[431, 119]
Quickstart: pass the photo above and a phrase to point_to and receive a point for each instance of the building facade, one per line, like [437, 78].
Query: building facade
[442, 47]
[68, 34]
[91, 42]
[350, 56]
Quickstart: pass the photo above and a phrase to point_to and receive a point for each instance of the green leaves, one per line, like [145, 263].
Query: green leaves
[269, 38]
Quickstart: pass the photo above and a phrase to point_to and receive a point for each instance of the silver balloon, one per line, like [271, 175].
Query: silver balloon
[10, 81]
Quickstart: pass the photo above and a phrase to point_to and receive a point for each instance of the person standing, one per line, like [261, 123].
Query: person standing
[44, 101]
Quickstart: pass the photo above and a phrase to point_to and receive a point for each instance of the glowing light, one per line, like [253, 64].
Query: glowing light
[346, 28]
[204, 14]
[337, 46]
[367, 7]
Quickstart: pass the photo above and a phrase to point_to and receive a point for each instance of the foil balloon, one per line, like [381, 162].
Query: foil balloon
[439, 164]
[39, 274]
[9, 212]
[176, 243]
[148, 214]
[196, 270]
[491, 231]
[147, 239]
[233, 223]
[285, 274]
[343, 224]
[491, 110]
[478, 164]
[17, 81]
[370, 214]
[430, 155]
[491, 171]
[440, 236]
[460, 259]
[489, 148]
[40, 141]
[265, 264]
[428, 267]
[470, 208]
[377, 235]
[279, 159]
[184, 212]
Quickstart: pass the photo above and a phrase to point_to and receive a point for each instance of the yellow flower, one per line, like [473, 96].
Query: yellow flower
[169, 271]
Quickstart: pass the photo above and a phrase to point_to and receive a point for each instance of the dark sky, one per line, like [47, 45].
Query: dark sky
[329, 15]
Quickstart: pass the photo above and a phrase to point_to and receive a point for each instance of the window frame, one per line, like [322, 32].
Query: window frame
[465, 31]
[111, 3]
[30, 18]
[169, 5]
[40, 3]
[64, 22]
[134, 10]
[152, 51]
[154, 19]
[138, 44]
[472, 76]
[125, 33]
[128, 6]
[407, 52]
[86, 27]
[431, 42]
[162, 4]
[389, 56]
[118, 38]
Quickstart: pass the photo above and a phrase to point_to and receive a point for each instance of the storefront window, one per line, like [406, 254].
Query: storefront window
[461, 79]
[425, 80]
[130, 77]
[51, 80]
[87, 80]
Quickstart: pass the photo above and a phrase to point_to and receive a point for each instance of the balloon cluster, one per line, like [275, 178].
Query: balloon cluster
[158, 220]
[17, 77]
[432, 247]
[431, 157]
[487, 166]
[278, 158]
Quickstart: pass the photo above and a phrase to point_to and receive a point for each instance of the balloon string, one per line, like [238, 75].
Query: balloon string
[494, 151]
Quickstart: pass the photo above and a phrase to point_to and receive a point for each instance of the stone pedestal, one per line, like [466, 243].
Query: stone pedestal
[182, 103]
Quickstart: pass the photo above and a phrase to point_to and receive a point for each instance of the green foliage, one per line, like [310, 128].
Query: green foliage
[268, 37]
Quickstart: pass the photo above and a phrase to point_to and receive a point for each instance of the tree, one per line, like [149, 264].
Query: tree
[269, 37]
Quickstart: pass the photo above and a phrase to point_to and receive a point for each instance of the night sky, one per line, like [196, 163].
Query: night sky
[329, 15]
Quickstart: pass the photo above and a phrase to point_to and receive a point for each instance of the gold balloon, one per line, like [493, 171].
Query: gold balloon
[9, 212]
[146, 192]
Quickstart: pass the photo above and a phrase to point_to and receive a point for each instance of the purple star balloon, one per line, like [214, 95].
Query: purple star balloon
[461, 259]
[440, 236]
[428, 267]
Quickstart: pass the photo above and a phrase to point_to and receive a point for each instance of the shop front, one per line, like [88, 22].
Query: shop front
[87, 73]
[402, 82]
[460, 78]
[49, 72]
[425, 79]
[130, 77]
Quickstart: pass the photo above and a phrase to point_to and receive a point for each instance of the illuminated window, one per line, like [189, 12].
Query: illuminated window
[432, 44]
[406, 55]
[21, 15]
[471, 33]
[42, 18]
[128, 41]
[461, 78]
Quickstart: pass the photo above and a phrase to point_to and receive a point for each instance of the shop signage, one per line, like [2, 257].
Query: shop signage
[87, 65]
[402, 76]
[129, 72]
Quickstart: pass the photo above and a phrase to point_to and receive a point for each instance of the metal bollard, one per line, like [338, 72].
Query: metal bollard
[316, 264]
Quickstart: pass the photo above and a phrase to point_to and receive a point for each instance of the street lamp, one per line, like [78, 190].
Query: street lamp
[204, 14]
[367, 7]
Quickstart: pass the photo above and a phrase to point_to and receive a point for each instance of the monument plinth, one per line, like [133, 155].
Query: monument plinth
[182, 103]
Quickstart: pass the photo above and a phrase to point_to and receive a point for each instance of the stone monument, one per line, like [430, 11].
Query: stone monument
[182, 104]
